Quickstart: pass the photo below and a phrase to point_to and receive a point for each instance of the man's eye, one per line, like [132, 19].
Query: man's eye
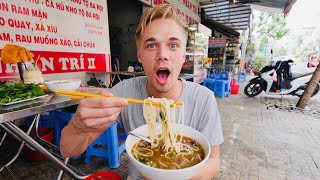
[173, 46]
[151, 46]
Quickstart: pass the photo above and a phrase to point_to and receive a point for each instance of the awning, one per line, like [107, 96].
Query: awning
[234, 16]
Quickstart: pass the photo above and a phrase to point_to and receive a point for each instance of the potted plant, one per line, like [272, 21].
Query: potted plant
[258, 63]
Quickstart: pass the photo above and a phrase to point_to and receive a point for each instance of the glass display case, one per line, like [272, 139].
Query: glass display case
[196, 51]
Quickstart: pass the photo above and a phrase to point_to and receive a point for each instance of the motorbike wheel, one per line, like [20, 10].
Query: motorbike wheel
[315, 92]
[253, 89]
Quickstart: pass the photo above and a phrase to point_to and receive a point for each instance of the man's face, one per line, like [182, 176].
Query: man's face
[162, 53]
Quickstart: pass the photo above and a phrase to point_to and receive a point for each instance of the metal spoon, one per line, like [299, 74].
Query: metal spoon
[140, 136]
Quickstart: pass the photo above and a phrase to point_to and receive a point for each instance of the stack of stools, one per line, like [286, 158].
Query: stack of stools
[209, 83]
[107, 146]
[219, 85]
[242, 76]
[221, 88]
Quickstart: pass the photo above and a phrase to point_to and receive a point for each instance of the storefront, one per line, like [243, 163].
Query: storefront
[78, 36]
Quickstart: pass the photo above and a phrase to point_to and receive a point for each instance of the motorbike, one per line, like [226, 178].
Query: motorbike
[282, 78]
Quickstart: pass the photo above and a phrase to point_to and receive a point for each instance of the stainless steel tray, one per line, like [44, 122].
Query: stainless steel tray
[25, 100]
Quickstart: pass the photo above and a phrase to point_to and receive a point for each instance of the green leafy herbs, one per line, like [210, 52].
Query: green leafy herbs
[16, 91]
[144, 160]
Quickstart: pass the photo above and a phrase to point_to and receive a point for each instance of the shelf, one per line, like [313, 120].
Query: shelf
[197, 44]
[196, 54]
[216, 53]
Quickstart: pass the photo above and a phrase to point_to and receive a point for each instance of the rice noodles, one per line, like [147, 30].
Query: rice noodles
[168, 149]
[164, 114]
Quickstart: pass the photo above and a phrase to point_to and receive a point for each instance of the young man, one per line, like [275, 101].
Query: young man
[161, 42]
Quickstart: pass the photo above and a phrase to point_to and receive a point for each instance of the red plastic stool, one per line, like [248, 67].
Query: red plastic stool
[104, 176]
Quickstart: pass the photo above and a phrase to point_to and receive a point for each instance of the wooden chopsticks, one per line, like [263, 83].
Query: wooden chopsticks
[79, 95]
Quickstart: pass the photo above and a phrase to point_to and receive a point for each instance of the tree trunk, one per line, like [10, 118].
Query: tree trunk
[310, 88]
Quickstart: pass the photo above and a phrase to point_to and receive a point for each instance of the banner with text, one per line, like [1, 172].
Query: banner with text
[69, 36]
[188, 8]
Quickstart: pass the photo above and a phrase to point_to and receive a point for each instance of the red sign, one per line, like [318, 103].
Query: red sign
[61, 62]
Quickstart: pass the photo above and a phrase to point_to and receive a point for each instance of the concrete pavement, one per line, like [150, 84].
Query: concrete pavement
[273, 143]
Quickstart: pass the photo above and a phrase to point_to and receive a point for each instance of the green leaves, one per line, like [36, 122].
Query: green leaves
[15, 91]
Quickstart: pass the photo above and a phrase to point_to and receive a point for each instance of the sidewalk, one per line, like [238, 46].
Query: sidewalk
[271, 143]
[261, 142]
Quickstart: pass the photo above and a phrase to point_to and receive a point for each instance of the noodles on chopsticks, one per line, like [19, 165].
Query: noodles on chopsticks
[166, 116]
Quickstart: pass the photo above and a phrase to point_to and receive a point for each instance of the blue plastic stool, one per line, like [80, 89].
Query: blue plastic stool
[209, 83]
[46, 121]
[107, 146]
[242, 76]
[62, 119]
[221, 88]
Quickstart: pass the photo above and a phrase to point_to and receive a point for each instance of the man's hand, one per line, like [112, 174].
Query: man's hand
[96, 114]
[93, 116]
[212, 166]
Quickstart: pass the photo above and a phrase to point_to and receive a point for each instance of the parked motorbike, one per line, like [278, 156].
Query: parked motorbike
[283, 78]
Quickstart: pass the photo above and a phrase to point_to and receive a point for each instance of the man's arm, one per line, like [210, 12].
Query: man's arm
[92, 118]
[212, 167]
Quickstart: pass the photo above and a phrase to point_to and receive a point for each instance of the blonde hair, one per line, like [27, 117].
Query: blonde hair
[162, 11]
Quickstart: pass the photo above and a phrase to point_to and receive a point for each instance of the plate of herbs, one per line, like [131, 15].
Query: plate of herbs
[16, 92]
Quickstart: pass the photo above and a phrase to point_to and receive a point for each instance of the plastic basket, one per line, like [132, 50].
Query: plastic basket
[104, 176]
[45, 134]
[235, 89]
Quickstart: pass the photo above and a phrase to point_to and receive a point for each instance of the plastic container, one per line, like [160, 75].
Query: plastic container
[45, 134]
[235, 89]
[104, 176]
[233, 82]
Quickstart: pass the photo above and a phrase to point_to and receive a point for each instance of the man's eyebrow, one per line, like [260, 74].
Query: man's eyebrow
[174, 39]
[149, 39]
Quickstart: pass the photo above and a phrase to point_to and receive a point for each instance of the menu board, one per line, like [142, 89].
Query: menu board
[69, 36]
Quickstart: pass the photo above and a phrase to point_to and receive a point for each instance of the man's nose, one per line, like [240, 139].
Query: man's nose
[163, 53]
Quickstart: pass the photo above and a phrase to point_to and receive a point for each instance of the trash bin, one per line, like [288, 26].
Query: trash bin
[235, 89]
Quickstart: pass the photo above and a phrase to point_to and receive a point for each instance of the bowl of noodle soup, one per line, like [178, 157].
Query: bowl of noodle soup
[152, 166]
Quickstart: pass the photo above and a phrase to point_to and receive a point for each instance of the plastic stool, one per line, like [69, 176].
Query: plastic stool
[242, 76]
[62, 119]
[46, 121]
[107, 146]
[221, 88]
[209, 83]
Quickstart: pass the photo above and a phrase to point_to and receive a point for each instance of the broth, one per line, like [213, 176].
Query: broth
[191, 153]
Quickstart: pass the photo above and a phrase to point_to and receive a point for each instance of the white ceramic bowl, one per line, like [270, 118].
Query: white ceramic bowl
[160, 174]
[68, 84]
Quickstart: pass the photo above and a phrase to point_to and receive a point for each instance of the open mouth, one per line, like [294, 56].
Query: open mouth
[162, 75]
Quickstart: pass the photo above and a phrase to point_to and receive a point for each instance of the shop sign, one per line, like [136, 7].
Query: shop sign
[217, 42]
[69, 36]
[188, 8]
[147, 2]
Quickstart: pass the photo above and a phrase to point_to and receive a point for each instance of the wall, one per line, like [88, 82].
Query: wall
[125, 14]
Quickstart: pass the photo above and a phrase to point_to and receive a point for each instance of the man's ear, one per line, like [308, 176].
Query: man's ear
[184, 56]
[138, 55]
